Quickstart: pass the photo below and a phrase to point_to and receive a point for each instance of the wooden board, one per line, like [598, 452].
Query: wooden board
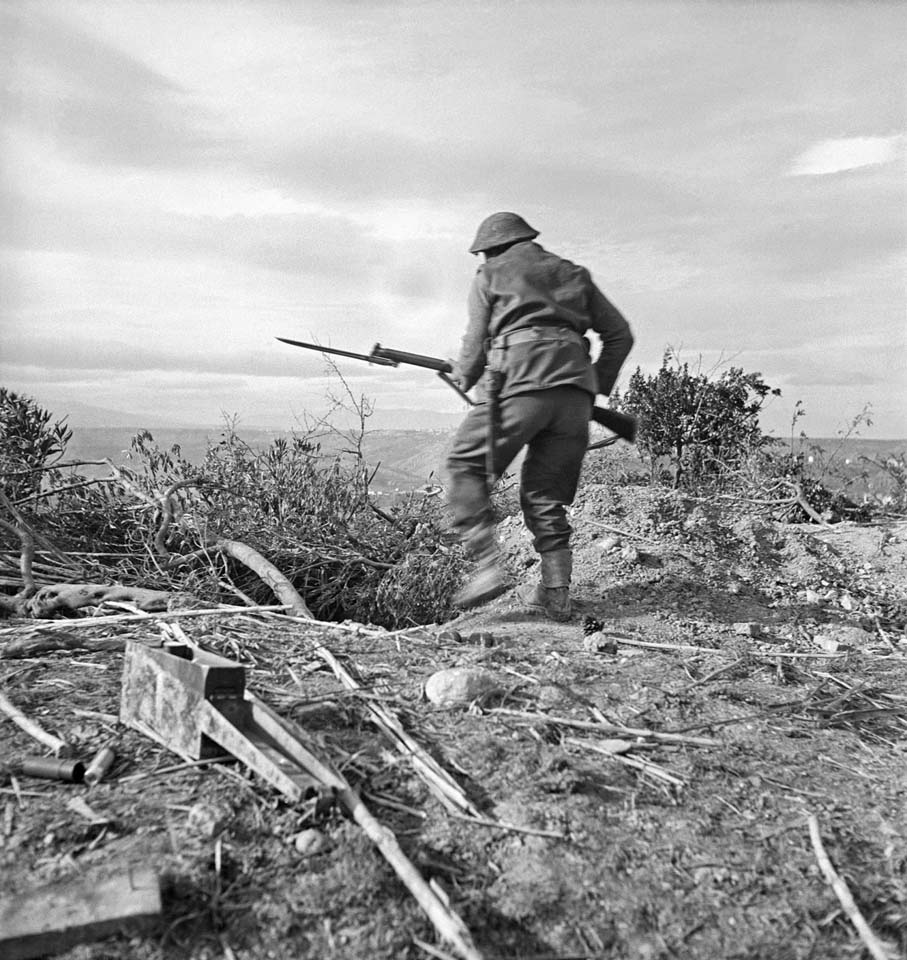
[52, 919]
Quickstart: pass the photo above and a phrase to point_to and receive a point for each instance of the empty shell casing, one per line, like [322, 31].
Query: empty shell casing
[99, 766]
[70, 770]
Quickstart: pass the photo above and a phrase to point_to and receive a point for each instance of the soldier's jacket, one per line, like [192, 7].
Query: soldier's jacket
[528, 312]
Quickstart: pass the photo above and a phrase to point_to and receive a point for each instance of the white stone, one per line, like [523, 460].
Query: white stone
[309, 842]
[460, 686]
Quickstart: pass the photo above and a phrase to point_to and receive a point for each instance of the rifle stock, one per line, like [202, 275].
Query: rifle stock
[620, 423]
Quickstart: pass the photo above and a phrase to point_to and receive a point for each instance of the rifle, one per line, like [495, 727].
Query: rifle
[620, 424]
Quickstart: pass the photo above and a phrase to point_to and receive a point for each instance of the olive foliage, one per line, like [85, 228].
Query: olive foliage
[703, 427]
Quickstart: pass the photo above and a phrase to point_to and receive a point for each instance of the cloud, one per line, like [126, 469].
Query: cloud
[851, 153]
[97, 103]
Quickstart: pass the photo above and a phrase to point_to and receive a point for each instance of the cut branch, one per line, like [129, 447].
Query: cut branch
[283, 589]
[34, 730]
[875, 946]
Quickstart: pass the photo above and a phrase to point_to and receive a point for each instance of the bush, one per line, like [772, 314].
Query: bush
[30, 442]
[705, 428]
[157, 521]
[308, 511]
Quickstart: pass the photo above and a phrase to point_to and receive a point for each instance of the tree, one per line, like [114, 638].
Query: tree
[705, 427]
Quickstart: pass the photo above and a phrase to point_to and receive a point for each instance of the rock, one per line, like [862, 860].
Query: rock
[207, 820]
[608, 543]
[599, 642]
[460, 686]
[309, 842]
[629, 553]
[811, 596]
[828, 644]
[748, 628]
[450, 636]
[834, 636]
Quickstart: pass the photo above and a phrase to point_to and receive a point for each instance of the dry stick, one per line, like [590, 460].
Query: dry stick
[444, 787]
[647, 766]
[873, 944]
[26, 557]
[283, 589]
[769, 654]
[28, 646]
[615, 729]
[446, 922]
[38, 536]
[58, 746]
[219, 611]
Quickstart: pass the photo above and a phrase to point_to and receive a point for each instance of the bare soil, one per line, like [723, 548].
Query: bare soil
[785, 645]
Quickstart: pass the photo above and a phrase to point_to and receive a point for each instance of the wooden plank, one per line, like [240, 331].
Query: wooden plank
[51, 919]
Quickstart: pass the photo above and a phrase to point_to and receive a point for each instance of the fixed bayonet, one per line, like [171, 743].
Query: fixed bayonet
[381, 361]
[387, 357]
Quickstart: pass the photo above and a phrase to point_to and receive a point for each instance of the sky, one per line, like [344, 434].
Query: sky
[182, 182]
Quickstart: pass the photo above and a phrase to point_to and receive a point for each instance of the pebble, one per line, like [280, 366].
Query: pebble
[599, 642]
[207, 819]
[460, 686]
[748, 628]
[309, 842]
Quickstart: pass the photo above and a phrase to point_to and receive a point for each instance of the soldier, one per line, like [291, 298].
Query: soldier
[528, 312]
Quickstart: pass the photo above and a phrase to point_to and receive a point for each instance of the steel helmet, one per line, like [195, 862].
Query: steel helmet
[501, 228]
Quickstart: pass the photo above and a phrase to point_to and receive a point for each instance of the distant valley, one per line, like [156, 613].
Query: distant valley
[403, 458]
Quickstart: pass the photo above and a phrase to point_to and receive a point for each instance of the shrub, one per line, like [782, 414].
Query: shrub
[30, 442]
[307, 510]
[705, 428]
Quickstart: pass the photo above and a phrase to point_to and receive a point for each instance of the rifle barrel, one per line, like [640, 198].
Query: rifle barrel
[415, 359]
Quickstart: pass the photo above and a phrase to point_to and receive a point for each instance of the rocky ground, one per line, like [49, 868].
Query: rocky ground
[644, 776]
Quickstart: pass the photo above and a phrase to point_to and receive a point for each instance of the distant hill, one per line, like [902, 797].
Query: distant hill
[403, 458]
[86, 415]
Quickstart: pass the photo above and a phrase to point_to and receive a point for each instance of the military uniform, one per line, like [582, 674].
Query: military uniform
[528, 312]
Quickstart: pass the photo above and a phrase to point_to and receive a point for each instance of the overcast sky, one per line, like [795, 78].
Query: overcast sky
[184, 181]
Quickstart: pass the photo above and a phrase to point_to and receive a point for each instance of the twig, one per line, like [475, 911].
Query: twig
[58, 746]
[439, 781]
[511, 827]
[646, 766]
[219, 611]
[767, 654]
[873, 944]
[614, 729]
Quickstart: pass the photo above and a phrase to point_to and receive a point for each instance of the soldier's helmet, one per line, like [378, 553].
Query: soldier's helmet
[500, 229]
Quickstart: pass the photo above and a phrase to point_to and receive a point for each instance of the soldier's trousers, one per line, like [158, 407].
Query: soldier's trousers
[554, 425]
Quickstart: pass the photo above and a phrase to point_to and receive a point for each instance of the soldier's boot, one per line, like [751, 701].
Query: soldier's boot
[551, 595]
[488, 579]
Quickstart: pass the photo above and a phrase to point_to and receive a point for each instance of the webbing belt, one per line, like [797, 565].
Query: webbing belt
[528, 334]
